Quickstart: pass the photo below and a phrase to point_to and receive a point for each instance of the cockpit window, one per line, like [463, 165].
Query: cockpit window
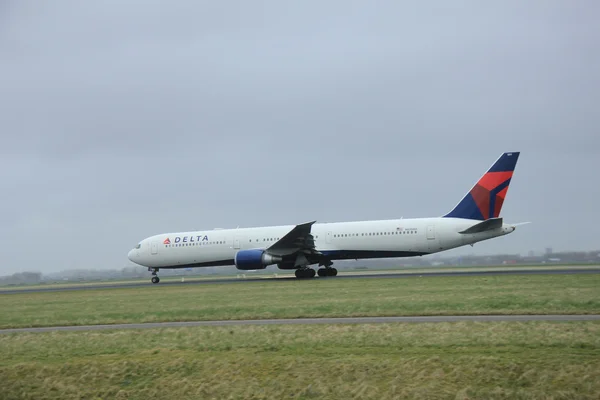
[138, 246]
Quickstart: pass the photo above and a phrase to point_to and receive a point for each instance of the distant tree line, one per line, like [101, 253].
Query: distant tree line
[21, 278]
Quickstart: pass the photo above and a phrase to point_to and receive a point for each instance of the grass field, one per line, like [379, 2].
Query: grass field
[465, 360]
[511, 294]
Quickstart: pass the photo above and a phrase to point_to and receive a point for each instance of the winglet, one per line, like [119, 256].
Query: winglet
[485, 199]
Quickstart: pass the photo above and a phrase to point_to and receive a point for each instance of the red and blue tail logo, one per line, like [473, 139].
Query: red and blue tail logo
[485, 199]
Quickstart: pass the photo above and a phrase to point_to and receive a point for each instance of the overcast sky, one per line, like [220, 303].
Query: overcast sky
[124, 119]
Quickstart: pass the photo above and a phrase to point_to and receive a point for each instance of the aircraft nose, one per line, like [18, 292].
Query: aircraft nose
[131, 255]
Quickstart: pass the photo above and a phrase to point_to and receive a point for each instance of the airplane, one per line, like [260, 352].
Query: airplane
[298, 247]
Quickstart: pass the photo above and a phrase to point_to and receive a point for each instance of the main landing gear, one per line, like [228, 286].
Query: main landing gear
[327, 272]
[155, 278]
[304, 273]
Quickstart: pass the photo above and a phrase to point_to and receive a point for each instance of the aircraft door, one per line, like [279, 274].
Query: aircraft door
[328, 237]
[236, 243]
[154, 248]
[433, 243]
[430, 232]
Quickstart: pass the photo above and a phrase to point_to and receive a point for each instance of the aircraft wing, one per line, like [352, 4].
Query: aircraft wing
[298, 239]
[299, 244]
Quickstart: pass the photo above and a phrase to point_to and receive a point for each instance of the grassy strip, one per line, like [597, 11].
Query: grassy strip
[517, 294]
[383, 361]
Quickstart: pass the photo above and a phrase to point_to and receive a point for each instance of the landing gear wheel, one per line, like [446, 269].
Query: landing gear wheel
[155, 278]
[327, 272]
[304, 273]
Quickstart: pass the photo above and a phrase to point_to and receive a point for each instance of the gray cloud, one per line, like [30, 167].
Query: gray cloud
[121, 120]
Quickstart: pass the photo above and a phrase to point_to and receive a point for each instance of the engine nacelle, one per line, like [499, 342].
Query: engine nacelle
[254, 259]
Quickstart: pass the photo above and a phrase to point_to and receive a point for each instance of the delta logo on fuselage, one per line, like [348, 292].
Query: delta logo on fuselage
[187, 239]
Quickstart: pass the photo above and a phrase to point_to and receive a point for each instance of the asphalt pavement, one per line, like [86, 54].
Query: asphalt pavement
[307, 321]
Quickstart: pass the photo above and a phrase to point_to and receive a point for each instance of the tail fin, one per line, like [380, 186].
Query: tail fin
[484, 200]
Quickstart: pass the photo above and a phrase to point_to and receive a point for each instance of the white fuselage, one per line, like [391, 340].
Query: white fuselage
[342, 240]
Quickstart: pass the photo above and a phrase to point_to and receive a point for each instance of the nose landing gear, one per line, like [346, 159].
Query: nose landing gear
[155, 278]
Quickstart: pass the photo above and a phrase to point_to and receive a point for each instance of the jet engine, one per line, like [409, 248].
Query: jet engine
[254, 259]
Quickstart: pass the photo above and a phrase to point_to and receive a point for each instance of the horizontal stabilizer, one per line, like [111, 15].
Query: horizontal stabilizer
[487, 225]
[520, 223]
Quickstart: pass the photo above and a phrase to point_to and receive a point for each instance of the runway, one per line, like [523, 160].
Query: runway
[402, 274]
[307, 321]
